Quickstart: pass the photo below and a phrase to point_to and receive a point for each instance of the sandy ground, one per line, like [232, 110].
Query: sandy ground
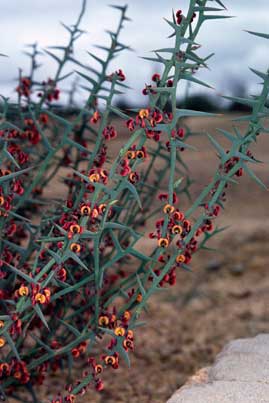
[225, 297]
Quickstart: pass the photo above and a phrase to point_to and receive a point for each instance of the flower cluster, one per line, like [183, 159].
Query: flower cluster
[49, 91]
[24, 87]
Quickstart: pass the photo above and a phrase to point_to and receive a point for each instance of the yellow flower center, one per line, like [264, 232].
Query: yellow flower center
[119, 331]
[177, 229]
[180, 259]
[40, 298]
[103, 321]
[75, 247]
[94, 177]
[75, 229]
[143, 113]
[85, 210]
[23, 291]
[168, 209]
[163, 242]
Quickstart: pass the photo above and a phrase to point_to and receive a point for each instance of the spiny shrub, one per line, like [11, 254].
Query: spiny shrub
[73, 282]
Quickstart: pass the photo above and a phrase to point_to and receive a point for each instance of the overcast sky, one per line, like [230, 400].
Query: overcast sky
[26, 21]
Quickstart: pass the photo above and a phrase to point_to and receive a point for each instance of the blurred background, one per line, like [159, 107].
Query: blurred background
[26, 21]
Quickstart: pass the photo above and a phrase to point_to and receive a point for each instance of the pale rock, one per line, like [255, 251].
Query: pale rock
[240, 374]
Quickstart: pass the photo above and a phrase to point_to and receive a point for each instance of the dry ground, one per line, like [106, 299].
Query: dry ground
[225, 297]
